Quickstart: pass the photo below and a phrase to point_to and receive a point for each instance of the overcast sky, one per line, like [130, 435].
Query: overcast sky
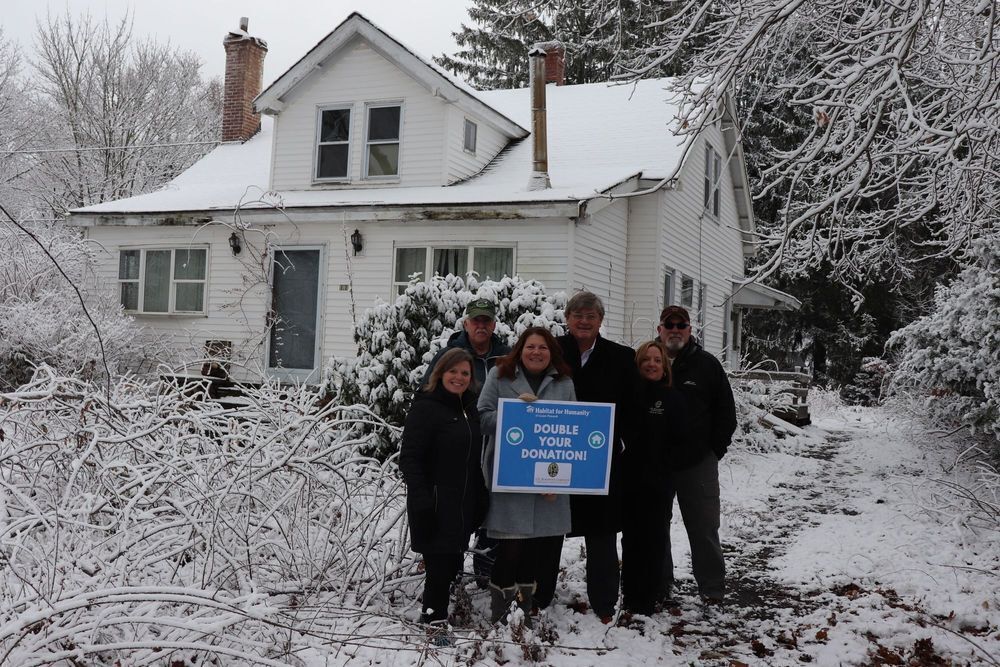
[290, 27]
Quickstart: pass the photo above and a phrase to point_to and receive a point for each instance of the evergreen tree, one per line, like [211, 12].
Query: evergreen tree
[598, 35]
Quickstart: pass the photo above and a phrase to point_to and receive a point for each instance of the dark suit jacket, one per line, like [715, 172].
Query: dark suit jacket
[610, 376]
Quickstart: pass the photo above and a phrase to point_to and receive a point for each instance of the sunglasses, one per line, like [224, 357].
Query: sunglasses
[674, 325]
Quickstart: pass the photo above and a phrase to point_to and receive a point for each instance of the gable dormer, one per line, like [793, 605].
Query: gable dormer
[362, 110]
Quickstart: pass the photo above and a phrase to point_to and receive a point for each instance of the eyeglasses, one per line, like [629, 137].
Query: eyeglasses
[674, 325]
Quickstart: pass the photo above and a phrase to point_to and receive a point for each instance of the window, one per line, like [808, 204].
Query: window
[471, 129]
[668, 287]
[333, 146]
[702, 297]
[687, 291]
[713, 173]
[488, 262]
[382, 141]
[163, 281]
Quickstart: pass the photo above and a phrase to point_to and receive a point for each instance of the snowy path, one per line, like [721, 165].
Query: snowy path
[840, 552]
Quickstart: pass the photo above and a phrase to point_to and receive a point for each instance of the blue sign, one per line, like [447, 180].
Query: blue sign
[553, 447]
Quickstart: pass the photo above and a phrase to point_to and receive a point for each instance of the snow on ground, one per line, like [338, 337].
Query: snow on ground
[843, 548]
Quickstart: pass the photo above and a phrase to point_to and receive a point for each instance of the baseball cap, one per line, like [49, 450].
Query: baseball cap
[675, 312]
[480, 307]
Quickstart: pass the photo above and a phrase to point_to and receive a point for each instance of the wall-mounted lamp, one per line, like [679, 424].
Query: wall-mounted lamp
[356, 241]
[235, 244]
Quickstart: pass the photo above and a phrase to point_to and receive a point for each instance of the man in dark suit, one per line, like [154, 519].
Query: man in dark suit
[603, 372]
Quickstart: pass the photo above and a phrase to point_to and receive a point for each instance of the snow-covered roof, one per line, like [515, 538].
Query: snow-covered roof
[599, 135]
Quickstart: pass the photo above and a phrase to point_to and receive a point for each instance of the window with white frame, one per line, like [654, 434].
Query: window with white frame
[702, 302]
[687, 291]
[163, 280]
[469, 142]
[713, 176]
[668, 287]
[488, 262]
[333, 143]
[382, 140]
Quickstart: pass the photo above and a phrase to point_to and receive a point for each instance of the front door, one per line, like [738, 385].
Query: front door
[293, 344]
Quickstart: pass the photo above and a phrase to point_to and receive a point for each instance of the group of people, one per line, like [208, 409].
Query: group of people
[674, 419]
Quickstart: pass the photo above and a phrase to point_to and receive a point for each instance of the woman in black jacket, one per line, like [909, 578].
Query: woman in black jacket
[446, 497]
[659, 446]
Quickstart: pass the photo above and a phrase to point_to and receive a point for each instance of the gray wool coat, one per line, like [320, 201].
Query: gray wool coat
[520, 515]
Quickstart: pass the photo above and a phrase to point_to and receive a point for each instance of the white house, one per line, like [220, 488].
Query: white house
[371, 164]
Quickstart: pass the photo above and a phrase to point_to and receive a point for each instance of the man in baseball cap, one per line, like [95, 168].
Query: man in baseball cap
[712, 420]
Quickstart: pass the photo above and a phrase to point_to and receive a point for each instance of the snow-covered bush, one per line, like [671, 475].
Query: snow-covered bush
[869, 383]
[152, 526]
[41, 318]
[397, 340]
[756, 402]
[950, 358]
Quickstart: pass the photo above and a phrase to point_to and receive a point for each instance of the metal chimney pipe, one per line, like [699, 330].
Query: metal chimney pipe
[539, 179]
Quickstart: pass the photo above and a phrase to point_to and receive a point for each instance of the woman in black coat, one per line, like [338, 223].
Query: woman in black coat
[660, 445]
[446, 498]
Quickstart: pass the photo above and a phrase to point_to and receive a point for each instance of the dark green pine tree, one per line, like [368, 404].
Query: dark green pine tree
[599, 37]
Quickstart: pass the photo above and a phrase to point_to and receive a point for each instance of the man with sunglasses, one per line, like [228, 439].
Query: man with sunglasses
[712, 418]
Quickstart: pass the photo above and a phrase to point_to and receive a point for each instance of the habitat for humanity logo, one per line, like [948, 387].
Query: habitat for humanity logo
[515, 436]
[596, 440]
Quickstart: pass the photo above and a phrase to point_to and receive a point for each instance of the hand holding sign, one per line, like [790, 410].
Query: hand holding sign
[527, 398]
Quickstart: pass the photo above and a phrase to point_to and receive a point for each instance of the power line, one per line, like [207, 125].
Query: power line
[117, 148]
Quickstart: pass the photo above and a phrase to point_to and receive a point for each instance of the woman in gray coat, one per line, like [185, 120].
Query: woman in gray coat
[529, 526]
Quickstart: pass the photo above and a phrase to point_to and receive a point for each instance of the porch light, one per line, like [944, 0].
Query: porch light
[235, 244]
[356, 241]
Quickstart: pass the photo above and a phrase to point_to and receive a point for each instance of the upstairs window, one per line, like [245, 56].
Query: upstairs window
[713, 174]
[382, 141]
[163, 281]
[489, 263]
[469, 143]
[333, 147]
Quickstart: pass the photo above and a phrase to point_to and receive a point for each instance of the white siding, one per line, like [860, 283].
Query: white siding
[698, 245]
[355, 76]
[238, 295]
[235, 299]
[460, 164]
[599, 247]
[644, 284]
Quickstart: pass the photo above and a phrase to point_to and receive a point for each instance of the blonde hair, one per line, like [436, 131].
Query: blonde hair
[645, 347]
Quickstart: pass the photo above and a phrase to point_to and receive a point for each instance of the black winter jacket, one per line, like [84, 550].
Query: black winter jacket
[610, 376]
[480, 365]
[711, 409]
[446, 498]
[663, 442]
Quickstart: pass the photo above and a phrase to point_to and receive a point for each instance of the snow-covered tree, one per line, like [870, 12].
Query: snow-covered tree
[42, 320]
[899, 160]
[950, 359]
[123, 113]
[397, 340]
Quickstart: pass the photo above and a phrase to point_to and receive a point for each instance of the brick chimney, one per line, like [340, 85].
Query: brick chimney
[244, 77]
[555, 62]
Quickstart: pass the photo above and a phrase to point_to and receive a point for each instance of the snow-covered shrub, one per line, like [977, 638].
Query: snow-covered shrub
[950, 358]
[756, 403]
[41, 318]
[397, 340]
[869, 383]
[153, 527]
